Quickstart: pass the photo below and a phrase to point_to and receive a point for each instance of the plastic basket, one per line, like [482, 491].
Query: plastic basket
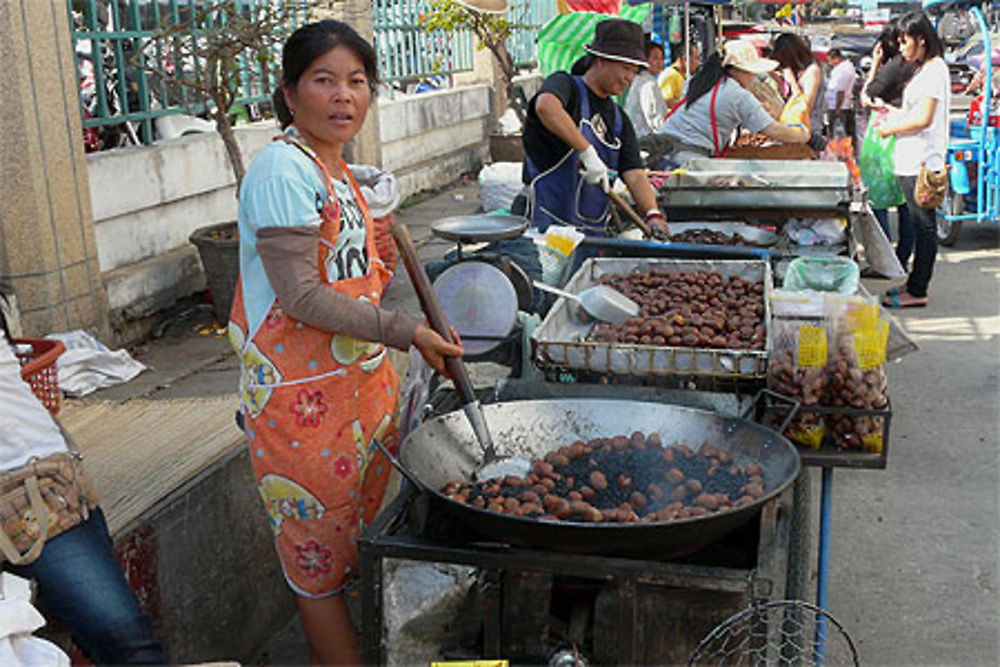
[38, 368]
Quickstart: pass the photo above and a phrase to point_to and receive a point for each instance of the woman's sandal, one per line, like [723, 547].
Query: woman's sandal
[892, 299]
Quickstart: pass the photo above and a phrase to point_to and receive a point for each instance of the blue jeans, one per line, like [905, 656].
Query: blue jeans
[904, 245]
[80, 582]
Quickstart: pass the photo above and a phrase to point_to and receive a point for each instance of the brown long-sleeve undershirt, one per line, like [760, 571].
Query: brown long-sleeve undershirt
[289, 257]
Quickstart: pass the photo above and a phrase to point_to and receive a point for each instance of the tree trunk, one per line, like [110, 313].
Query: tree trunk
[233, 150]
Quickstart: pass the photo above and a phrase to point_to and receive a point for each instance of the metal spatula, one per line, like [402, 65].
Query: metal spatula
[600, 302]
[492, 465]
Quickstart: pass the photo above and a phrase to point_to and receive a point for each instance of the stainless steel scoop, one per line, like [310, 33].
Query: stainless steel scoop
[600, 302]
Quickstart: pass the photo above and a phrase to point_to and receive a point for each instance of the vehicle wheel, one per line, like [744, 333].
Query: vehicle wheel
[948, 230]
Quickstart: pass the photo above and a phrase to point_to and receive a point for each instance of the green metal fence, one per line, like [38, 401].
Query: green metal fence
[407, 52]
[119, 97]
[527, 17]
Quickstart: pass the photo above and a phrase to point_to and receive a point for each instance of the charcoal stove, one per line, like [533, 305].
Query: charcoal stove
[527, 601]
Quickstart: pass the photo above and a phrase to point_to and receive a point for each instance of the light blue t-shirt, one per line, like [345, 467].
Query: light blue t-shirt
[284, 188]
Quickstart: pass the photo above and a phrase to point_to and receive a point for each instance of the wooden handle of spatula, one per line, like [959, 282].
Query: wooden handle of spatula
[432, 308]
[646, 230]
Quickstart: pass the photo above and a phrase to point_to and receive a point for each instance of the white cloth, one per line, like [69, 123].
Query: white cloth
[733, 106]
[644, 104]
[18, 619]
[87, 365]
[26, 428]
[930, 145]
[378, 187]
[842, 78]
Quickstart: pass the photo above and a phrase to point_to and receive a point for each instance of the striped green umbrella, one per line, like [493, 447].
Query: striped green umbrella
[561, 40]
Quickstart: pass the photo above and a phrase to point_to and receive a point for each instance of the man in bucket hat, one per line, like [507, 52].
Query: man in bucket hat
[577, 138]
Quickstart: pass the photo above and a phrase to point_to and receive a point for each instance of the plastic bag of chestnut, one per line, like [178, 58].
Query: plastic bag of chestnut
[797, 369]
[855, 372]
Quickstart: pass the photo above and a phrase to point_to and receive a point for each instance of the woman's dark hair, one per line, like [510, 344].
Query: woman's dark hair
[791, 50]
[705, 77]
[650, 45]
[919, 27]
[889, 39]
[581, 65]
[308, 43]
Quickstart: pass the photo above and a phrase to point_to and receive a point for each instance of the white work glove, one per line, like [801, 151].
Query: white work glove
[595, 171]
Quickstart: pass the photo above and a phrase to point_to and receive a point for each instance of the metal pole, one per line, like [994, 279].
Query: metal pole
[687, 39]
[825, 514]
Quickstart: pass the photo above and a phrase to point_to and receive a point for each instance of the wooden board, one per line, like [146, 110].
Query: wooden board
[775, 152]
[139, 451]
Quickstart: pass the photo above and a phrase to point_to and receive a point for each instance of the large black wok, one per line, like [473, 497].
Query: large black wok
[445, 449]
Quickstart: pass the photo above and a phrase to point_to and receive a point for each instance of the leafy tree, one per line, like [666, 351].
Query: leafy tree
[223, 45]
[491, 31]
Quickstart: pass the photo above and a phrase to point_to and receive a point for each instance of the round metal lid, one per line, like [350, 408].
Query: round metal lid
[479, 301]
[479, 228]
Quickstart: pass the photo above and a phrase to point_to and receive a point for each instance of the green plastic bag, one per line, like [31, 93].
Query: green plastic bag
[878, 167]
[823, 274]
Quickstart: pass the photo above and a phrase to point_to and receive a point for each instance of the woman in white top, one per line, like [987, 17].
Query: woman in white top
[77, 575]
[801, 73]
[921, 131]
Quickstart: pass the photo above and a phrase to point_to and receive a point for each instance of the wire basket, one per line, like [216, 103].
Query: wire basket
[782, 632]
[38, 368]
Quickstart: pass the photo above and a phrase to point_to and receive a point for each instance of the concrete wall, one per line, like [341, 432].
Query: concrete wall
[430, 139]
[202, 564]
[146, 201]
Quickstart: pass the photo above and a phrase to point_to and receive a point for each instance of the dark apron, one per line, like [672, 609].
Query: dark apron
[560, 195]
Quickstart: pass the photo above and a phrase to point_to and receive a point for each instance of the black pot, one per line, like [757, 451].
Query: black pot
[506, 148]
[219, 251]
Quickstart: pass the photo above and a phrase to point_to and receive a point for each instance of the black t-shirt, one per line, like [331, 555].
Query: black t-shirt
[546, 149]
[891, 79]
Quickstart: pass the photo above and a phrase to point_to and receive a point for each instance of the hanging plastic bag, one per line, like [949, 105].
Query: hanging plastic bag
[796, 111]
[878, 166]
[675, 28]
[825, 274]
[797, 369]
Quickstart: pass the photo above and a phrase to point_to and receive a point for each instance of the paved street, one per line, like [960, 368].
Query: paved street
[914, 558]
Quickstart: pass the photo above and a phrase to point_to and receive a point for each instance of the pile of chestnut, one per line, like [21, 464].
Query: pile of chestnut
[624, 479]
[703, 309]
[709, 237]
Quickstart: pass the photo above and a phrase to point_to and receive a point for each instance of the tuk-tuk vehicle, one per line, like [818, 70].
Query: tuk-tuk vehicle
[974, 146]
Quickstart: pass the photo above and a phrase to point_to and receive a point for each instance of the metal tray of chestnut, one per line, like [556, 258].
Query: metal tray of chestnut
[700, 318]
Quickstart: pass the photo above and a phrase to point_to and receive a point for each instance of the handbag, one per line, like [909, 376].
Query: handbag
[877, 163]
[40, 500]
[931, 187]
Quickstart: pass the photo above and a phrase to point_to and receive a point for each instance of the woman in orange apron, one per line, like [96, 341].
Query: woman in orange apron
[317, 389]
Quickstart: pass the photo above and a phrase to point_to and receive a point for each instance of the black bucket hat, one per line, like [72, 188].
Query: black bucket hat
[619, 39]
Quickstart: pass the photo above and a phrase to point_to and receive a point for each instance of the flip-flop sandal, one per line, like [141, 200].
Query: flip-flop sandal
[891, 300]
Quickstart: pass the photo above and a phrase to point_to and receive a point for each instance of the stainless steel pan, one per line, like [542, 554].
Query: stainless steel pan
[445, 449]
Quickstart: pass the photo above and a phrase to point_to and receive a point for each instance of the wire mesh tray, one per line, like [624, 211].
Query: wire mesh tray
[561, 342]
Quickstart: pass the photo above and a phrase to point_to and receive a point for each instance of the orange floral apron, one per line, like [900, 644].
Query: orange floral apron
[314, 403]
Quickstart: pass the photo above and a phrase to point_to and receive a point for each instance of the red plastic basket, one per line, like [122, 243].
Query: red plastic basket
[38, 368]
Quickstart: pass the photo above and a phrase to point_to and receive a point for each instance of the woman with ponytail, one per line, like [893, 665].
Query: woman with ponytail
[317, 389]
[717, 102]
